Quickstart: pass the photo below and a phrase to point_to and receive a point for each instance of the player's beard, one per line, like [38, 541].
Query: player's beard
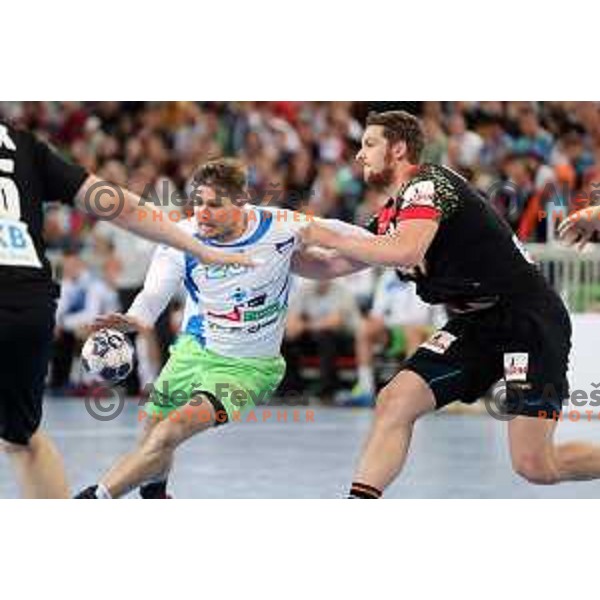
[381, 180]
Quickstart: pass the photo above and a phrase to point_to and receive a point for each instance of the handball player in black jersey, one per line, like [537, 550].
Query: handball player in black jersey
[31, 174]
[507, 322]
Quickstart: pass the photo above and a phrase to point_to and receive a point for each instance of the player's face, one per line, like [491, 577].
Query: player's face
[217, 217]
[376, 157]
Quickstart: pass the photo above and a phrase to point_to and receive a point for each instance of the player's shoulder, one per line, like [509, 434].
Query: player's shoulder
[429, 184]
[285, 220]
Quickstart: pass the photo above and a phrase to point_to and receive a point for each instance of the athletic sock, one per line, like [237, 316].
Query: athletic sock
[154, 490]
[366, 379]
[102, 492]
[363, 491]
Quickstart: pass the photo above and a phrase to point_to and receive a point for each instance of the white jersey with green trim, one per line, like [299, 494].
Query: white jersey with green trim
[232, 310]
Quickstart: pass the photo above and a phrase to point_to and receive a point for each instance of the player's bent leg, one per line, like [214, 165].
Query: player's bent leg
[155, 488]
[538, 459]
[532, 450]
[38, 466]
[577, 461]
[154, 454]
[399, 405]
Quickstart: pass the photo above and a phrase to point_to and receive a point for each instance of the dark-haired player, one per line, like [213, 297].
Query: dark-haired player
[31, 174]
[439, 232]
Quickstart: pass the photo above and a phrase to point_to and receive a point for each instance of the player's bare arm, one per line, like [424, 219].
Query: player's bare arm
[320, 263]
[406, 247]
[132, 218]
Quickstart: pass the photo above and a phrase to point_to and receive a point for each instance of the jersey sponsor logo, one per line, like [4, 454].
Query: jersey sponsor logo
[421, 193]
[232, 315]
[239, 295]
[263, 313]
[254, 328]
[246, 315]
[214, 272]
[516, 366]
[439, 342]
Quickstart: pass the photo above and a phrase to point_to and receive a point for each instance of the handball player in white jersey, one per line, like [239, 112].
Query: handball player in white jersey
[227, 358]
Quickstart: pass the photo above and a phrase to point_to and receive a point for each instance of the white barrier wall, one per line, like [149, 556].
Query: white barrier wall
[585, 355]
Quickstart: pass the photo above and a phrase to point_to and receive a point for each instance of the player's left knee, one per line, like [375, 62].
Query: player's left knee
[535, 468]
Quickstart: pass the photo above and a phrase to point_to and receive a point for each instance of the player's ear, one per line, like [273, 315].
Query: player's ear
[399, 150]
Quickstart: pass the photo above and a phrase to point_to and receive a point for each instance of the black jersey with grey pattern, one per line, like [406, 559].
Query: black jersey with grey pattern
[474, 257]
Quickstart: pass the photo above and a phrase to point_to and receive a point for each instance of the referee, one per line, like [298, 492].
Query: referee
[31, 173]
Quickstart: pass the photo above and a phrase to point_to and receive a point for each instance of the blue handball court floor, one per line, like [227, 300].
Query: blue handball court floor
[452, 455]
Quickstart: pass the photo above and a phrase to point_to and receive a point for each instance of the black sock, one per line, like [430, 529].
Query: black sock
[157, 490]
[363, 491]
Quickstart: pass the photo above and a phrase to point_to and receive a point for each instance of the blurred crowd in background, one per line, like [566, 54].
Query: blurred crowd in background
[528, 158]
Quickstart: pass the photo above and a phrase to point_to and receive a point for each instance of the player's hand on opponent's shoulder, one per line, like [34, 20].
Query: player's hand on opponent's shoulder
[579, 227]
[121, 322]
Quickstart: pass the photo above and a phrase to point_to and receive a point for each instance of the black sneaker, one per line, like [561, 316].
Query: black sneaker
[89, 493]
[154, 491]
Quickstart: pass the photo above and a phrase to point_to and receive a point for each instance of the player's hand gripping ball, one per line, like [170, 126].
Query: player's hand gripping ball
[108, 354]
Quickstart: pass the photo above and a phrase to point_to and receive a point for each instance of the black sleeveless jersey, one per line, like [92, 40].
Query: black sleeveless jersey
[30, 174]
[474, 257]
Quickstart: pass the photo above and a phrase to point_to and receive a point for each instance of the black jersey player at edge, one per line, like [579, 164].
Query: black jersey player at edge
[31, 173]
[508, 322]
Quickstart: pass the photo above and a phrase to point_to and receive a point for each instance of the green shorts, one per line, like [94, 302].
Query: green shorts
[238, 384]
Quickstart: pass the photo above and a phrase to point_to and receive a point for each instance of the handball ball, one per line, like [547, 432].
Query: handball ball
[108, 354]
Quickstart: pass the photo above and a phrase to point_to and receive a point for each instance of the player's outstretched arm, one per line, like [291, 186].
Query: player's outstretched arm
[163, 279]
[95, 196]
[579, 227]
[318, 263]
[405, 248]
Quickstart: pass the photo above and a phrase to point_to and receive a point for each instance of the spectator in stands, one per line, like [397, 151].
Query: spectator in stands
[464, 146]
[533, 138]
[305, 150]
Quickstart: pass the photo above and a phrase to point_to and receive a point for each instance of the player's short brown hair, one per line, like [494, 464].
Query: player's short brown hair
[227, 176]
[399, 125]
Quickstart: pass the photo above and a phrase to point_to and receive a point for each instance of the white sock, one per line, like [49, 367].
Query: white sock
[366, 379]
[102, 492]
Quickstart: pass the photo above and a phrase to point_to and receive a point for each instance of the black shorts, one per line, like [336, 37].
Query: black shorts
[528, 347]
[25, 341]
